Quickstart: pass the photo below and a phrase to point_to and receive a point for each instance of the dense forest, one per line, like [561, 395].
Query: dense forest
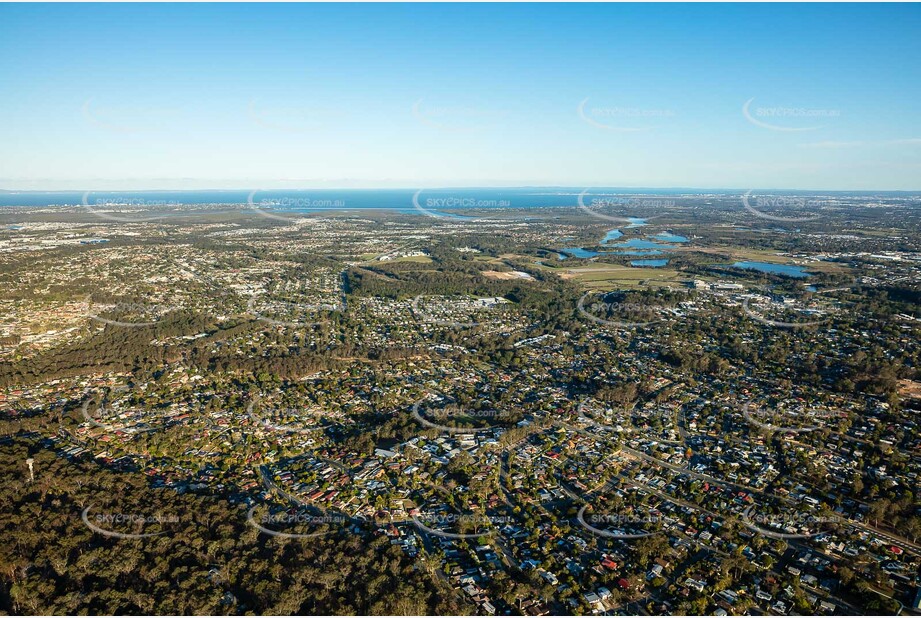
[207, 559]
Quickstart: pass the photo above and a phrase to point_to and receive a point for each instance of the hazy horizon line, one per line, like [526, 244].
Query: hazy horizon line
[448, 187]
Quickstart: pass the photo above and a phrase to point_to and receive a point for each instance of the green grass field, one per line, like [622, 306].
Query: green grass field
[613, 277]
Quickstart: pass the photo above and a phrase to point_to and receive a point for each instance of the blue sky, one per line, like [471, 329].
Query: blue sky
[414, 95]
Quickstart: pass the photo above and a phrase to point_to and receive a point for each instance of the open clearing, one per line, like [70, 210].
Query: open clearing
[508, 276]
[910, 389]
[612, 277]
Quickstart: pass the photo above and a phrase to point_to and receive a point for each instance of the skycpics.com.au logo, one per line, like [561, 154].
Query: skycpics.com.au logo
[454, 412]
[760, 318]
[127, 314]
[125, 421]
[291, 118]
[588, 413]
[432, 206]
[786, 420]
[763, 205]
[297, 520]
[263, 308]
[617, 314]
[460, 526]
[792, 525]
[455, 118]
[293, 413]
[622, 119]
[292, 208]
[624, 526]
[788, 119]
[637, 209]
[106, 523]
[439, 311]
[126, 208]
[127, 120]
[589, 416]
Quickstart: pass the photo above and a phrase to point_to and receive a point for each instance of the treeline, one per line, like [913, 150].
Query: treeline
[111, 349]
[401, 283]
[207, 559]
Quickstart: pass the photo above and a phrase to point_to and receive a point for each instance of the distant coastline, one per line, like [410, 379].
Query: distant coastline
[391, 199]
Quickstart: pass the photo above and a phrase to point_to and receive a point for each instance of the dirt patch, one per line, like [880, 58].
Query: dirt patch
[910, 389]
[507, 276]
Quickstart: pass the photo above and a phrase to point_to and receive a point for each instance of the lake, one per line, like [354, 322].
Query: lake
[639, 243]
[639, 252]
[649, 263]
[669, 237]
[634, 246]
[578, 252]
[788, 270]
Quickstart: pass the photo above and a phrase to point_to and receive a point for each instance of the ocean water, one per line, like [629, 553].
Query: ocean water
[395, 199]
[329, 199]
